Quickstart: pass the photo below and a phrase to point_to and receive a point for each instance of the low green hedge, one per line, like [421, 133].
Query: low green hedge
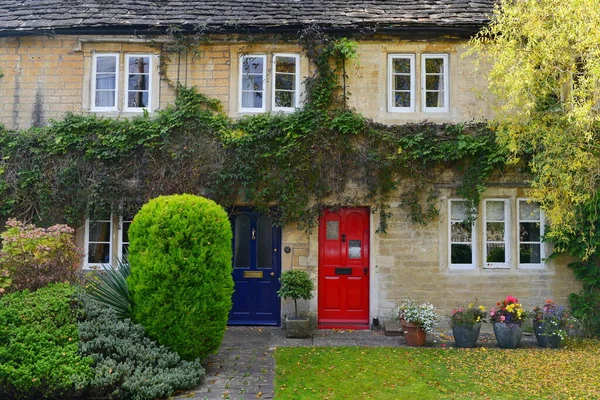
[39, 355]
[58, 343]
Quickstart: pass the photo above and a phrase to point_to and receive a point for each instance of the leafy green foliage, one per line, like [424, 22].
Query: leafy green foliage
[127, 364]
[296, 285]
[39, 355]
[109, 287]
[34, 257]
[302, 161]
[180, 282]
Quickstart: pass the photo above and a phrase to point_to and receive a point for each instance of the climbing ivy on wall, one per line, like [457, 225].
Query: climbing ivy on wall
[324, 154]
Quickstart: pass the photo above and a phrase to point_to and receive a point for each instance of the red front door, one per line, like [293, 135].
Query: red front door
[344, 269]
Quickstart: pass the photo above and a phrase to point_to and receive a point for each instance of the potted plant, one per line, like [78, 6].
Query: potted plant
[507, 318]
[466, 324]
[417, 320]
[550, 323]
[296, 285]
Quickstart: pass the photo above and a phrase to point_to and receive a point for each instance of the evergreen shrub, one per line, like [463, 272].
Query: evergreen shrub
[180, 282]
[39, 356]
[127, 364]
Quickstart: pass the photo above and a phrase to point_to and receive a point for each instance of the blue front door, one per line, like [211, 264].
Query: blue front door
[256, 269]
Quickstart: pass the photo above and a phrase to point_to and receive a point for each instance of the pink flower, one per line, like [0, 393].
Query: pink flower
[492, 312]
[510, 299]
[502, 318]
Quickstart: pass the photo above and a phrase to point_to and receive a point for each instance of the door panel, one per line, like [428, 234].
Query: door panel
[256, 270]
[344, 268]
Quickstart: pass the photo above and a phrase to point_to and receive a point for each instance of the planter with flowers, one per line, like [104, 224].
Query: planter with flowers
[549, 324]
[417, 320]
[466, 324]
[507, 318]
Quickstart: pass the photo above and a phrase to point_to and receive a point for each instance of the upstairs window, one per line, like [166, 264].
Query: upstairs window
[401, 82]
[252, 83]
[105, 82]
[286, 82]
[434, 76]
[137, 94]
[137, 72]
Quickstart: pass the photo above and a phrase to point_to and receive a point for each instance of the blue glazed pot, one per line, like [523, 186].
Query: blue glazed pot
[545, 339]
[466, 335]
[508, 336]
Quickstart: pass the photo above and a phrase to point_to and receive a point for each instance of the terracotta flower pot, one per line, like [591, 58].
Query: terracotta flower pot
[508, 336]
[466, 335]
[413, 334]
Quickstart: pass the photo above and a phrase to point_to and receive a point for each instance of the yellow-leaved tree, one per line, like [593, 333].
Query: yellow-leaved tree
[544, 60]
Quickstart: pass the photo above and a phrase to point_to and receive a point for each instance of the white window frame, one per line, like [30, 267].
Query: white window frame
[240, 83]
[541, 221]
[445, 108]
[413, 84]
[296, 82]
[120, 241]
[125, 69]
[473, 243]
[86, 264]
[117, 78]
[507, 229]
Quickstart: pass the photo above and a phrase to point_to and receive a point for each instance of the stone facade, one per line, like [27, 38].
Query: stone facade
[45, 77]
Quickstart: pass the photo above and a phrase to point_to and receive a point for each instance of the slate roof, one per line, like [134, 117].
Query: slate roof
[22, 16]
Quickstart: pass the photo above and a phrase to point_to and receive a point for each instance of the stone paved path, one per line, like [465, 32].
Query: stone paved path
[244, 366]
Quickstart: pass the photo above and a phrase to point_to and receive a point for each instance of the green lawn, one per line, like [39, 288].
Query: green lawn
[425, 373]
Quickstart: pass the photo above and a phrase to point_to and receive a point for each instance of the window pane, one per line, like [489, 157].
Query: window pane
[354, 249]
[529, 232]
[332, 230]
[252, 99]
[125, 251]
[125, 233]
[433, 82]
[264, 236]
[401, 82]
[139, 65]
[401, 99]
[494, 210]
[400, 65]
[252, 82]
[434, 65]
[99, 253]
[284, 99]
[530, 212]
[285, 82]
[285, 64]
[495, 231]
[461, 254]
[460, 232]
[99, 232]
[137, 99]
[106, 64]
[434, 99]
[138, 82]
[252, 65]
[242, 242]
[459, 211]
[530, 253]
[106, 81]
[105, 99]
[495, 253]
